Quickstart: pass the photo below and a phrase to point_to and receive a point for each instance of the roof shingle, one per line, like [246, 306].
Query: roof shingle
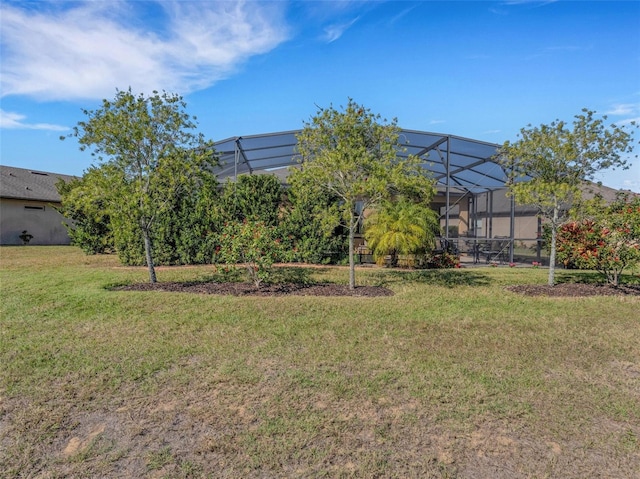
[23, 184]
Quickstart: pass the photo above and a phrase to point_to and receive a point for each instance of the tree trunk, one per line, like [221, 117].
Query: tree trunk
[552, 255]
[352, 260]
[149, 256]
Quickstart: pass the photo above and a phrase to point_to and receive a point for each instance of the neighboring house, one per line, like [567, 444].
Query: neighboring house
[28, 200]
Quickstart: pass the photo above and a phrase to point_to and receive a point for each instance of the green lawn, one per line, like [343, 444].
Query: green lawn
[453, 376]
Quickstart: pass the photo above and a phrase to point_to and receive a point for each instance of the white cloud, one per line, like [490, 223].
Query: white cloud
[15, 121]
[536, 3]
[623, 109]
[335, 31]
[402, 14]
[502, 8]
[70, 50]
[629, 121]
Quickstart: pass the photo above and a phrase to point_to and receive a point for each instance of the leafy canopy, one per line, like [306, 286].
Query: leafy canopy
[150, 154]
[353, 155]
[550, 163]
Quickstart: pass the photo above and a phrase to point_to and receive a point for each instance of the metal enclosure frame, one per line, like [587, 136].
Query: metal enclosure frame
[460, 166]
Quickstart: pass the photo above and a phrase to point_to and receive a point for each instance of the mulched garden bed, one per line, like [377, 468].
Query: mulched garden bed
[249, 289]
[575, 290]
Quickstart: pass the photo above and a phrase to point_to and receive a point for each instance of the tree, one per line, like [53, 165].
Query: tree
[353, 156]
[185, 234]
[400, 227]
[558, 160]
[151, 153]
[607, 239]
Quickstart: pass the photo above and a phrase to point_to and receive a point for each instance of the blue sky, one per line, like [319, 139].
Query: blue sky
[480, 69]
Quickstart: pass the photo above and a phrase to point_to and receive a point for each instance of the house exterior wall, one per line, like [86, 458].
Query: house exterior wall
[38, 218]
[493, 217]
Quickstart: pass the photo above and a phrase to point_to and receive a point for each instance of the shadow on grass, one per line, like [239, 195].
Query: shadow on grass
[592, 277]
[278, 275]
[293, 274]
[238, 274]
[449, 278]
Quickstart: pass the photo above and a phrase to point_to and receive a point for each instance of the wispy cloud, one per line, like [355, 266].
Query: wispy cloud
[629, 121]
[15, 121]
[335, 31]
[536, 3]
[629, 113]
[403, 13]
[503, 8]
[623, 109]
[70, 50]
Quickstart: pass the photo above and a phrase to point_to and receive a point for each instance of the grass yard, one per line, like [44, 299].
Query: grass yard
[452, 377]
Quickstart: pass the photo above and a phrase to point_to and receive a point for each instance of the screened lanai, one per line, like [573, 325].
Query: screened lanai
[452, 160]
[465, 171]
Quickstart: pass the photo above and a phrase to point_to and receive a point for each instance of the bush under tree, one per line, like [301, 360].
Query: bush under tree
[607, 240]
[254, 245]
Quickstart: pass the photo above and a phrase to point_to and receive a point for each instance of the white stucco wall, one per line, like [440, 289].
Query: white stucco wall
[39, 218]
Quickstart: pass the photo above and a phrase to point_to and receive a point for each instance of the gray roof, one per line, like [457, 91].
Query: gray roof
[471, 163]
[609, 195]
[23, 184]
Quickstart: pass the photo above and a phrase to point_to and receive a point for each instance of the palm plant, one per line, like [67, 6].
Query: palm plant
[400, 227]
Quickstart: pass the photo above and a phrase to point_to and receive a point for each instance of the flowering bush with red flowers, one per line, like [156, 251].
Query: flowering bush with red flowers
[253, 244]
[608, 242]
